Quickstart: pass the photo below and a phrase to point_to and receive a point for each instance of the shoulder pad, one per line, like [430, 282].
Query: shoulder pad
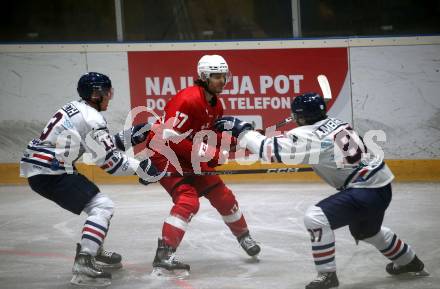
[95, 119]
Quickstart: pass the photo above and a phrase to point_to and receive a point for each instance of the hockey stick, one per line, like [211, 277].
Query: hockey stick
[325, 87]
[326, 93]
[241, 172]
[284, 122]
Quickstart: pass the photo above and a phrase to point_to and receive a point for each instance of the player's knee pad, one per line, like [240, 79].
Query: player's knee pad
[314, 217]
[383, 237]
[186, 201]
[101, 206]
[319, 229]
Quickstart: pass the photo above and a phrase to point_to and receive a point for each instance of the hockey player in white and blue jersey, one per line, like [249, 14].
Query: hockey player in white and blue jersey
[49, 165]
[340, 157]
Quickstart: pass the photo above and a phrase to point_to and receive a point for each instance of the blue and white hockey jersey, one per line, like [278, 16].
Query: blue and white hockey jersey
[334, 151]
[75, 129]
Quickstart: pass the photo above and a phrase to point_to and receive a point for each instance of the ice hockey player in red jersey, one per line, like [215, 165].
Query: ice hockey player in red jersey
[191, 111]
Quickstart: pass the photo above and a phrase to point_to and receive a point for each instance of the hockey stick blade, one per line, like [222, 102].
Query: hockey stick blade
[325, 86]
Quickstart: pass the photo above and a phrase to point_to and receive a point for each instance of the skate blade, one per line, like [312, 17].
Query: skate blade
[82, 280]
[163, 273]
[253, 259]
[422, 273]
[105, 266]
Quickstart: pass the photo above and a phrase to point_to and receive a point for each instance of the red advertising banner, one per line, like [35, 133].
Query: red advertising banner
[263, 84]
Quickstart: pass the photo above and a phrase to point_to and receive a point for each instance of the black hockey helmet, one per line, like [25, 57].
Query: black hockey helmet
[310, 106]
[92, 81]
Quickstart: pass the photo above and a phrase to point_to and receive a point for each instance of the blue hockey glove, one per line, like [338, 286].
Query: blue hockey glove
[136, 135]
[149, 170]
[232, 124]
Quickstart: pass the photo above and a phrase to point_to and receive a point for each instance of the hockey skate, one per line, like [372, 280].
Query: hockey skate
[413, 268]
[166, 265]
[249, 245]
[104, 259]
[324, 280]
[86, 273]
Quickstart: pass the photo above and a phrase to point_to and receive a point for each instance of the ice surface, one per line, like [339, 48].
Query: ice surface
[37, 239]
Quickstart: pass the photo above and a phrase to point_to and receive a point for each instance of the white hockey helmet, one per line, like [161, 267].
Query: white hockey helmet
[212, 64]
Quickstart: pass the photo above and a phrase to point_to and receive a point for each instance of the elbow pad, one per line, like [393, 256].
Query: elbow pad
[109, 158]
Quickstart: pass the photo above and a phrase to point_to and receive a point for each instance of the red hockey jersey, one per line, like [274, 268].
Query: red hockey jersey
[189, 111]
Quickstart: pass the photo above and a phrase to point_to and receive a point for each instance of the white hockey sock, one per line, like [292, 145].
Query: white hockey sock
[322, 238]
[387, 242]
[93, 234]
[100, 211]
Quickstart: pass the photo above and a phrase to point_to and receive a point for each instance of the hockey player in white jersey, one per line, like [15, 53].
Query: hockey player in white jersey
[339, 156]
[49, 165]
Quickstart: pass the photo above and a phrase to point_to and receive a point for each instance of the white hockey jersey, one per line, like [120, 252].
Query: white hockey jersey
[332, 148]
[75, 129]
